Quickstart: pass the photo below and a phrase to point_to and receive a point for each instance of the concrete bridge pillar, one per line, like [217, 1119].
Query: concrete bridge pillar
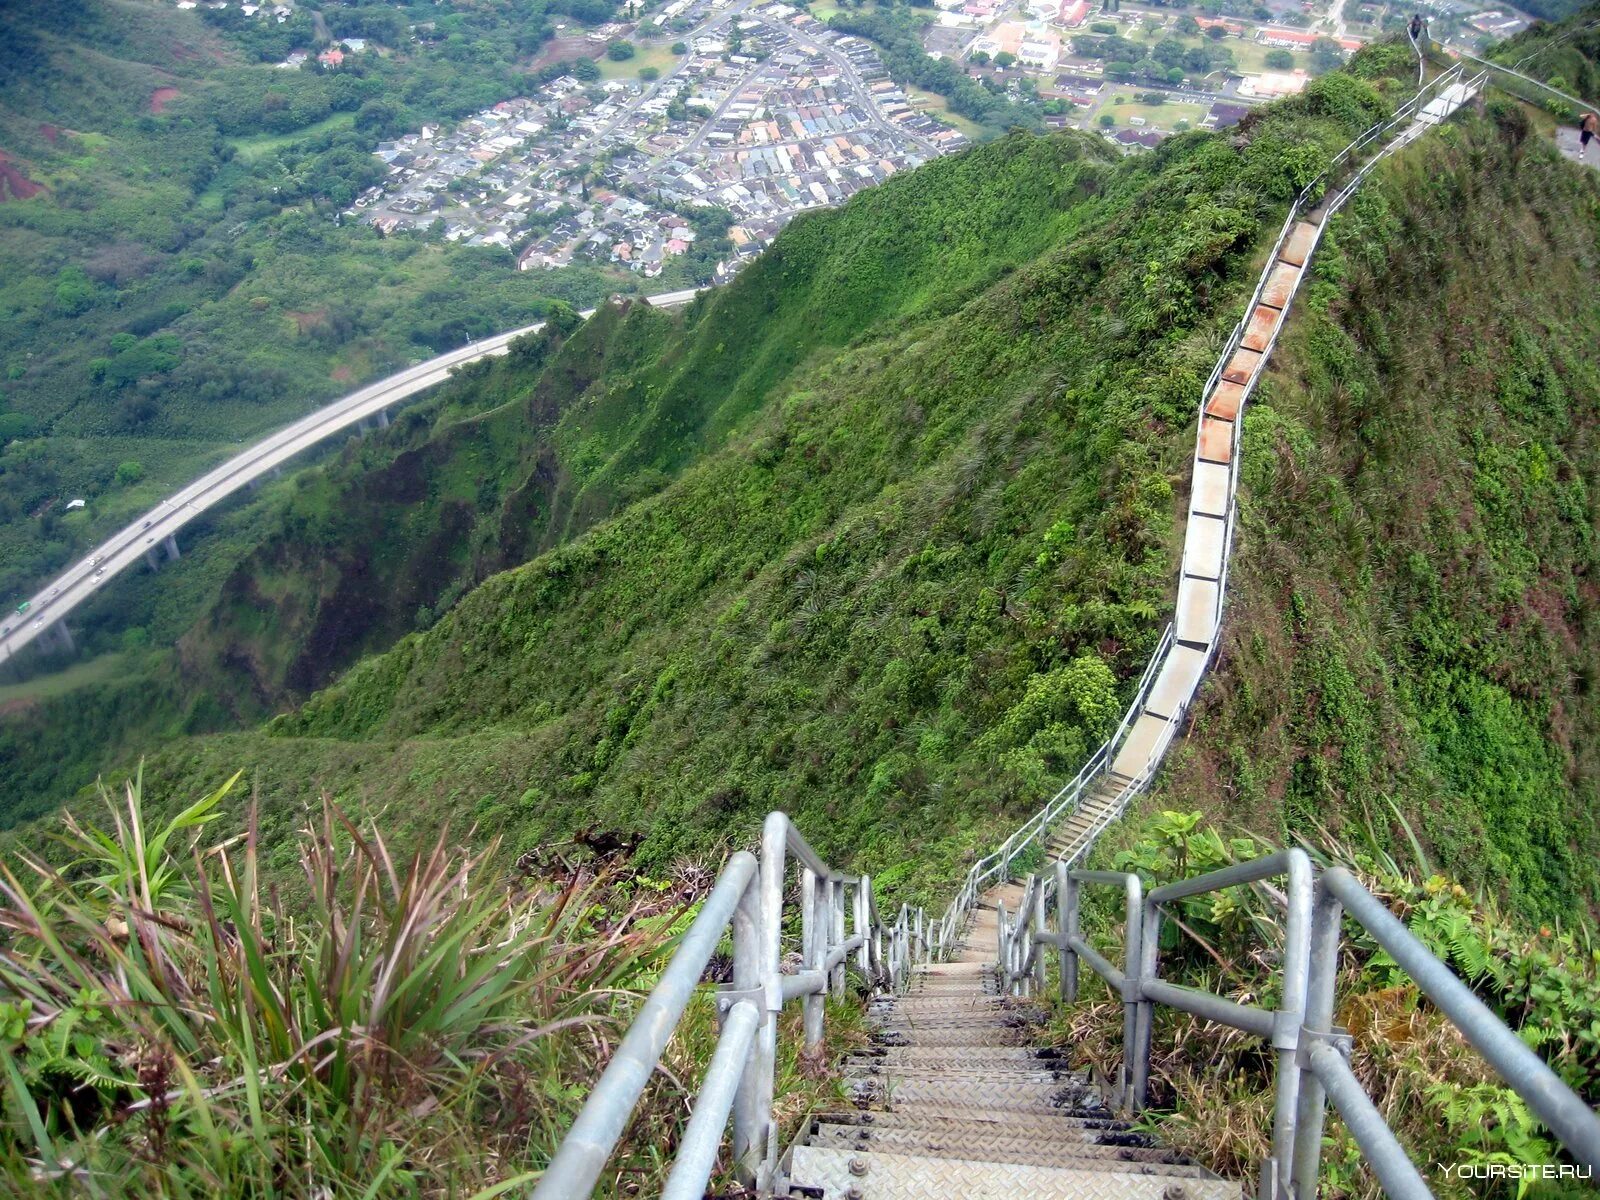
[63, 636]
[383, 418]
[152, 556]
[171, 547]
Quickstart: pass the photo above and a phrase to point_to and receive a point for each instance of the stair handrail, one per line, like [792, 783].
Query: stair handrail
[1312, 1054]
[1539, 83]
[747, 899]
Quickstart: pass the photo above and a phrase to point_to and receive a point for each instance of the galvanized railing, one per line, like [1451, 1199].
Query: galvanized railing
[1313, 1057]
[748, 899]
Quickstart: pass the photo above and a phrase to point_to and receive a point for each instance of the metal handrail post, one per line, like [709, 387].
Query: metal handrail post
[814, 923]
[1067, 920]
[1291, 1014]
[836, 904]
[1326, 914]
[763, 1071]
[1002, 957]
[752, 1110]
[1132, 951]
[864, 952]
[1038, 928]
[1144, 1016]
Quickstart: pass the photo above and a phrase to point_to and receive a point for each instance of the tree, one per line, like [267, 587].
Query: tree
[1216, 32]
[620, 51]
[1107, 120]
[980, 58]
[1187, 26]
[129, 472]
[1119, 70]
[680, 47]
[1004, 59]
[1326, 55]
[1175, 76]
[586, 69]
[649, 74]
[1279, 60]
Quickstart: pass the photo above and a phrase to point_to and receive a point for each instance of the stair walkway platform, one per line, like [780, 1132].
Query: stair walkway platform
[952, 1100]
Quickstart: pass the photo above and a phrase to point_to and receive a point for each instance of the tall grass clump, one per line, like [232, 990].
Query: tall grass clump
[411, 1025]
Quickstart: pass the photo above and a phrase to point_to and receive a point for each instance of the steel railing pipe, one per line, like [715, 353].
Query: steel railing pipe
[697, 1153]
[588, 1144]
[1397, 1176]
[1572, 1121]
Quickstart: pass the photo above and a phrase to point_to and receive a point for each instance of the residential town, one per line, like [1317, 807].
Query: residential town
[767, 113]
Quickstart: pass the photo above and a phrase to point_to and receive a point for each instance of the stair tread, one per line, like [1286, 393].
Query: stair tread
[883, 1176]
[1084, 1154]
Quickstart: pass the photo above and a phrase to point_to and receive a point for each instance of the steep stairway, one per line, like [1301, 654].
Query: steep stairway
[954, 1102]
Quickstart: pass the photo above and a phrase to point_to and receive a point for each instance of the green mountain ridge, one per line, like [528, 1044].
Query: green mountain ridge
[881, 532]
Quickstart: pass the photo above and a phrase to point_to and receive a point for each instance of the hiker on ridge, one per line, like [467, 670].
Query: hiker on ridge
[1587, 128]
[1416, 27]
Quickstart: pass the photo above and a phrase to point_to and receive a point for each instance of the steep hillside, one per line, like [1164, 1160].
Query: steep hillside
[908, 594]
[1414, 617]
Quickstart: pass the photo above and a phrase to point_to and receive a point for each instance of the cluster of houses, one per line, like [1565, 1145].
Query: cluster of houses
[799, 118]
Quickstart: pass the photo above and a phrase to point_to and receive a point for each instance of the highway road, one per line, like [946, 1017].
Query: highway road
[148, 534]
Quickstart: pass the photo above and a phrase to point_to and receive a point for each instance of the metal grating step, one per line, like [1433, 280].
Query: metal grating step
[1083, 1155]
[1053, 1096]
[853, 1175]
[1038, 1126]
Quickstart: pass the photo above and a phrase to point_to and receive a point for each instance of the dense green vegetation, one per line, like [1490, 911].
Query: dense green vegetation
[934, 547]
[1412, 618]
[181, 279]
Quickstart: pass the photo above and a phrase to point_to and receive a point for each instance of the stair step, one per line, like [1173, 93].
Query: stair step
[1000, 1123]
[1007, 1075]
[945, 1036]
[1084, 1154]
[1048, 1096]
[880, 1176]
[930, 1055]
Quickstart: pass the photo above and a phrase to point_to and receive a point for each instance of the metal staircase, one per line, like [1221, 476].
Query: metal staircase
[950, 1098]
[954, 1102]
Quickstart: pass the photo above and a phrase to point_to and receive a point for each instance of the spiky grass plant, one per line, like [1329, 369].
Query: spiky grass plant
[422, 1026]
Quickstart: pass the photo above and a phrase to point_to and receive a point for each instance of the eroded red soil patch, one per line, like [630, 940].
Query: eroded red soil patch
[14, 185]
[162, 97]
